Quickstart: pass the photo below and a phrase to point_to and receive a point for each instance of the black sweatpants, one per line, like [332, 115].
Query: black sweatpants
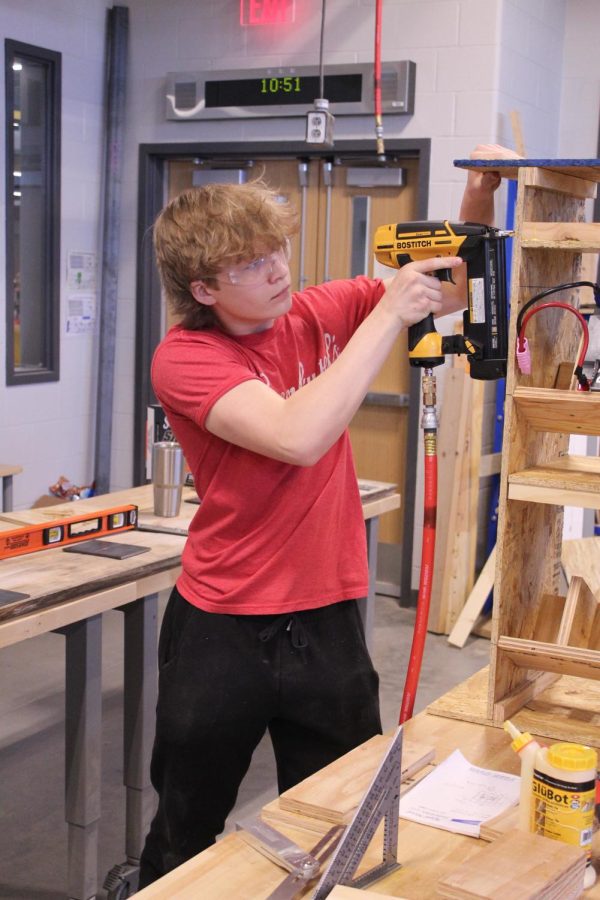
[223, 680]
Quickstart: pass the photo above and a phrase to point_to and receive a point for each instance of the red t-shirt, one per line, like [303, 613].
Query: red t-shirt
[268, 537]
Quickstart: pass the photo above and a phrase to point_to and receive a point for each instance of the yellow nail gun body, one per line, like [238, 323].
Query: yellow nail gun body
[484, 338]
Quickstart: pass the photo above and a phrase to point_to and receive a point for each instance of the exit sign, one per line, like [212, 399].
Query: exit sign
[267, 12]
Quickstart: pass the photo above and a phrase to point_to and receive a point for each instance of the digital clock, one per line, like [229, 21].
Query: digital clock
[288, 91]
[282, 89]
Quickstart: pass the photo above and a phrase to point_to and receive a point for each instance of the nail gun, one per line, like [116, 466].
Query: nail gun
[484, 339]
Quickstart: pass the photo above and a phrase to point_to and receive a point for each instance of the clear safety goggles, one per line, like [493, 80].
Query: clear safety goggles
[259, 270]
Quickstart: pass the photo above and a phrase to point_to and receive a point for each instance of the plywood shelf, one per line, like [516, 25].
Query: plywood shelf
[578, 661]
[567, 480]
[579, 237]
[562, 412]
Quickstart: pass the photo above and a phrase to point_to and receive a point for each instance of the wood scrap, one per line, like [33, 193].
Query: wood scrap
[475, 603]
[333, 794]
[518, 864]
[499, 825]
[582, 557]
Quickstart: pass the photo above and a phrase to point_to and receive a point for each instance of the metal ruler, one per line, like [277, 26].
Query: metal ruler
[381, 801]
[303, 866]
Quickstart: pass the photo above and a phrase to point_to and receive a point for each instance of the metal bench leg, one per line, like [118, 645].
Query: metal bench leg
[140, 694]
[366, 605]
[83, 753]
[7, 493]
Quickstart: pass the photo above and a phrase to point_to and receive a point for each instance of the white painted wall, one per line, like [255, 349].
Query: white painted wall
[48, 428]
[476, 61]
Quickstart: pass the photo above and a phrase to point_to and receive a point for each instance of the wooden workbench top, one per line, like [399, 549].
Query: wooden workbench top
[50, 578]
[231, 868]
[53, 577]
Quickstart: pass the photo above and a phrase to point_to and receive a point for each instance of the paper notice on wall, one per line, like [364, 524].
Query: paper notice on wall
[81, 271]
[81, 314]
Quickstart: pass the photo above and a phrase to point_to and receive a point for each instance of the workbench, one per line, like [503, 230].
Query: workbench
[68, 593]
[231, 868]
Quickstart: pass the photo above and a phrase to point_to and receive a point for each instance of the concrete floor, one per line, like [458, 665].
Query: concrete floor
[34, 845]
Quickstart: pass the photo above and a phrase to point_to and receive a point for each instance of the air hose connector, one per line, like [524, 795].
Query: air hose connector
[429, 420]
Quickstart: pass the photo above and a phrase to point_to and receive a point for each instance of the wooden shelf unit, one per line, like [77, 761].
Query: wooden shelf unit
[538, 635]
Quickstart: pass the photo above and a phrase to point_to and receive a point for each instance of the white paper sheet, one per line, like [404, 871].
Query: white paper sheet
[458, 796]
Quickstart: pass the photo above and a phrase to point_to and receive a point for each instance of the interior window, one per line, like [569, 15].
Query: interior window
[32, 213]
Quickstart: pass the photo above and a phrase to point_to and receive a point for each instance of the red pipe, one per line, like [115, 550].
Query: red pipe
[377, 79]
[426, 579]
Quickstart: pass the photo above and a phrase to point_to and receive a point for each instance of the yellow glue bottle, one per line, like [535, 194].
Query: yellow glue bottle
[527, 747]
[563, 797]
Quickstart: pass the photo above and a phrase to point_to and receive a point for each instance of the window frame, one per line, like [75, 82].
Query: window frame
[51, 173]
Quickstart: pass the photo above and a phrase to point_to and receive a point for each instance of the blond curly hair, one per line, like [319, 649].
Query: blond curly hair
[205, 230]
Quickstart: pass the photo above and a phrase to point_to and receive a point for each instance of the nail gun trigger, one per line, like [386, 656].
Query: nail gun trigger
[444, 275]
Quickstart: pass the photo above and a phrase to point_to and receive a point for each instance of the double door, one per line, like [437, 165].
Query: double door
[341, 202]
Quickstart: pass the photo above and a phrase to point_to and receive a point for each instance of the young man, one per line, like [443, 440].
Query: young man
[259, 385]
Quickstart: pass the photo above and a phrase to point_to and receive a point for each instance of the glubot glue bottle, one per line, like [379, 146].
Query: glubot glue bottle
[563, 796]
[527, 747]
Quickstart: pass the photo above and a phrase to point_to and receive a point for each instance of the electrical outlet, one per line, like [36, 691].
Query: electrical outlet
[319, 127]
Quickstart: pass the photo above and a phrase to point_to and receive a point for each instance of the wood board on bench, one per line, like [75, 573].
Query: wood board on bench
[518, 864]
[333, 794]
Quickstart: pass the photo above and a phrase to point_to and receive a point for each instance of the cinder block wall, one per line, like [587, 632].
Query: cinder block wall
[476, 61]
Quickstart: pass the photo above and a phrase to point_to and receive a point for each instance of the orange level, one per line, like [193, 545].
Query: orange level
[61, 532]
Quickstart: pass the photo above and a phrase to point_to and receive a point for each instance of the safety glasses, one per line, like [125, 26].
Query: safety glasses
[259, 270]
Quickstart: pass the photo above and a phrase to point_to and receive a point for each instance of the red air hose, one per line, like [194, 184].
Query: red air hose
[377, 81]
[426, 579]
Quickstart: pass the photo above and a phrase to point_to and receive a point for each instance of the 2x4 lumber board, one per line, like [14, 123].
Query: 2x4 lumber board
[581, 237]
[577, 661]
[564, 412]
[475, 450]
[333, 794]
[475, 602]
[452, 438]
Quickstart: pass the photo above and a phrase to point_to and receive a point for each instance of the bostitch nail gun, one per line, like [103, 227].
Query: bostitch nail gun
[484, 338]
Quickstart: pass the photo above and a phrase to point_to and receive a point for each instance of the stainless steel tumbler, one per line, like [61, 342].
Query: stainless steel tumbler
[167, 477]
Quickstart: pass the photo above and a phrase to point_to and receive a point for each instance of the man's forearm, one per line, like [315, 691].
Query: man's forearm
[478, 199]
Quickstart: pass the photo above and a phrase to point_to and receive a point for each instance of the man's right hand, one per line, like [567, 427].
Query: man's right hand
[414, 291]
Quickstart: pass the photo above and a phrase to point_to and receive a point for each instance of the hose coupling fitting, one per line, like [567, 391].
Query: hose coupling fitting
[428, 389]
[429, 419]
